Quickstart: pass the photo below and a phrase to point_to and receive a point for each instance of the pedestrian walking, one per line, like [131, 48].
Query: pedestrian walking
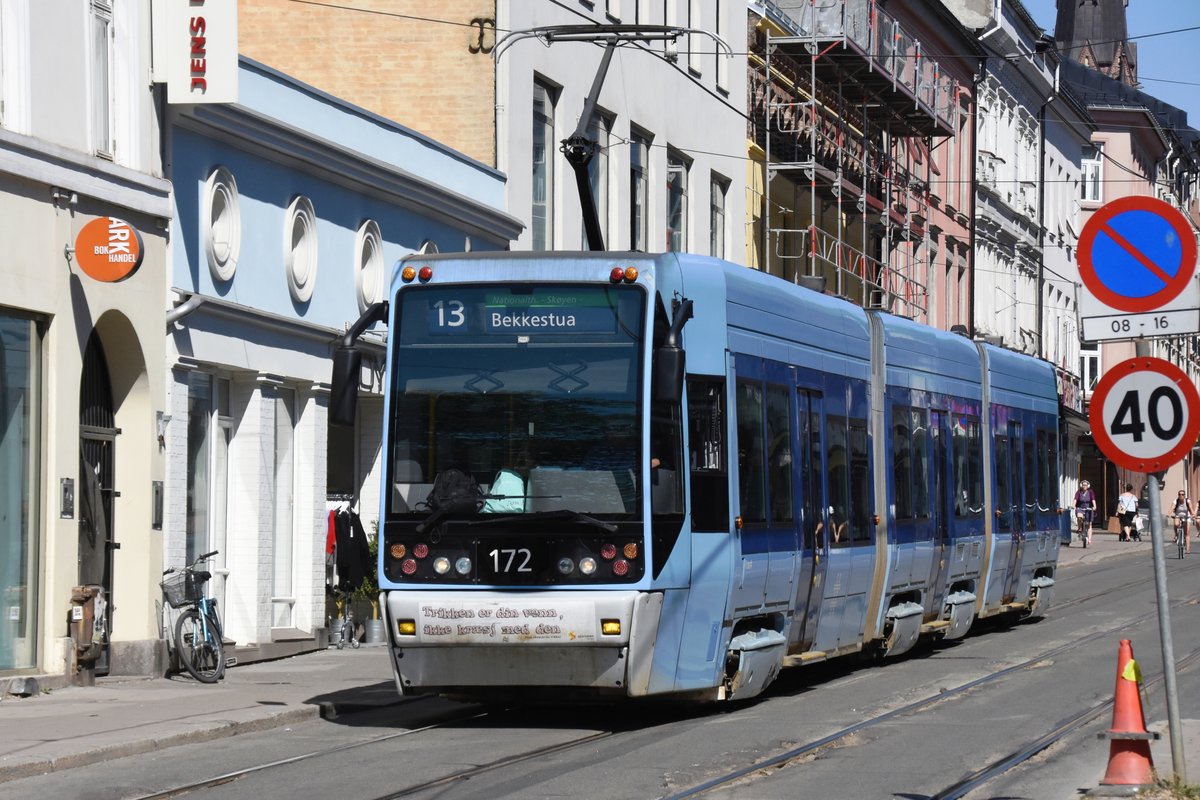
[1127, 505]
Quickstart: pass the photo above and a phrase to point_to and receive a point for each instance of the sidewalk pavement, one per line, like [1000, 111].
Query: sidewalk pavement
[121, 716]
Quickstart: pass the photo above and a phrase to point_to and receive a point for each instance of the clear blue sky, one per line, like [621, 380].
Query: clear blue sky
[1167, 65]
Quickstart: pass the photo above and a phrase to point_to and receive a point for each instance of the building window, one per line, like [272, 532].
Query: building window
[1089, 367]
[368, 256]
[543, 167]
[300, 248]
[696, 43]
[222, 224]
[639, 173]
[722, 59]
[285, 495]
[102, 76]
[20, 493]
[716, 216]
[1093, 172]
[613, 9]
[599, 131]
[677, 211]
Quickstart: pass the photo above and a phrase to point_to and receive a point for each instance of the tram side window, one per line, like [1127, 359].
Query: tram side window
[751, 481]
[919, 425]
[1003, 484]
[837, 464]
[779, 453]
[860, 482]
[968, 466]
[902, 462]
[1031, 483]
[706, 442]
[1047, 470]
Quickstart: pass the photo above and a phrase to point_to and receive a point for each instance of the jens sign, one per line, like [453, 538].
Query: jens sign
[196, 45]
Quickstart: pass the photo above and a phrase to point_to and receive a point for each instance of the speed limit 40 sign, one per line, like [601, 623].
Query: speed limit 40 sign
[1145, 414]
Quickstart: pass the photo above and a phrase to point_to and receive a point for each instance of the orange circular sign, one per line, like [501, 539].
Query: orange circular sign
[109, 249]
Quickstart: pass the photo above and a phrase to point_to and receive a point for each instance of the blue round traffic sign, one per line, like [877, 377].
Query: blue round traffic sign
[1136, 254]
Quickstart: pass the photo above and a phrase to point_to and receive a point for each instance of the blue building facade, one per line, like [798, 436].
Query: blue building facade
[290, 209]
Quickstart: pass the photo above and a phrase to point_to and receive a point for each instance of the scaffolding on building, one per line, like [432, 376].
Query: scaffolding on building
[842, 92]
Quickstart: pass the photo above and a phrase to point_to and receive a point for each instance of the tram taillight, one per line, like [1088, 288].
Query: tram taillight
[620, 568]
[608, 551]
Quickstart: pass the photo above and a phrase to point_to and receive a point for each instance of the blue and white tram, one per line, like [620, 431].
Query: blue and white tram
[690, 475]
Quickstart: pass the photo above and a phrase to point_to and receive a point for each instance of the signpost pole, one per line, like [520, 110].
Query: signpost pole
[1175, 731]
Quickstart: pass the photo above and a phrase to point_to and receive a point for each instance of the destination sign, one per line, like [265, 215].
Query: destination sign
[539, 312]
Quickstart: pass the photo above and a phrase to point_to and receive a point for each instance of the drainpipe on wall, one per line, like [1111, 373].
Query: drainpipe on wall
[974, 193]
[183, 309]
[1041, 274]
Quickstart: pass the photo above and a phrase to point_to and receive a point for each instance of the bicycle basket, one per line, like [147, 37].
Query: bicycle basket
[184, 588]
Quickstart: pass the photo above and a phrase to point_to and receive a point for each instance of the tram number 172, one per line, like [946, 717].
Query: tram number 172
[511, 560]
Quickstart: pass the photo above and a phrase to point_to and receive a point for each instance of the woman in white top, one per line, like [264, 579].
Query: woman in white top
[1126, 511]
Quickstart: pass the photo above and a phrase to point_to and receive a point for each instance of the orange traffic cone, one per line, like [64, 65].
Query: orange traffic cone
[1129, 762]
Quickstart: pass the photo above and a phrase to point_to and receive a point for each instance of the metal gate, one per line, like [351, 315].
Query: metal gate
[97, 443]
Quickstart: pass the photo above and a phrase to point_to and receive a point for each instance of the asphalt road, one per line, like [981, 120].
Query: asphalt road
[641, 750]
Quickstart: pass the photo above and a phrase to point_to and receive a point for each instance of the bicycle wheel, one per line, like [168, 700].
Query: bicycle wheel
[203, 658]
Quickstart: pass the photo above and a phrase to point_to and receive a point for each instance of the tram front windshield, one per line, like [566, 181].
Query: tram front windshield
[531, 390]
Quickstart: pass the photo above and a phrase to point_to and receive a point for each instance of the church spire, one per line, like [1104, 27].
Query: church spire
[1094, 33]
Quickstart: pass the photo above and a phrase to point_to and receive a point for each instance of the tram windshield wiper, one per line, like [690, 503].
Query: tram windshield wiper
[560, 513]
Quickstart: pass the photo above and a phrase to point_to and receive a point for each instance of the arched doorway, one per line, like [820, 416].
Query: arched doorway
[97, 446]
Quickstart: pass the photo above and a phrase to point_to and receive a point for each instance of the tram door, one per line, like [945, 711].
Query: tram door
[940, 511]
[1016, 482]
[814, 550]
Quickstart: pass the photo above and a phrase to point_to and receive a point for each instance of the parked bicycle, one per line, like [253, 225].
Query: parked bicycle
[198, 640]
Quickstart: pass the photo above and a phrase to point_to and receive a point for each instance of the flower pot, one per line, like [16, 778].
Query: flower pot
[375, 632]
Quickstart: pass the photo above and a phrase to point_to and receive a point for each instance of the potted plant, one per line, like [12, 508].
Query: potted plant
[368, 590]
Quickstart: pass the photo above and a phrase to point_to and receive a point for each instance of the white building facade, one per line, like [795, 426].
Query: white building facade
[81, 358]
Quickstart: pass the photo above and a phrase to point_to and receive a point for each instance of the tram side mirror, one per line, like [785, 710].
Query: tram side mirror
[668, 374]
[343, 400]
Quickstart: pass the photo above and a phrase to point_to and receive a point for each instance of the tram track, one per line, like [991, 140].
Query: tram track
[985, 774]
[782, 759]
[1028, 750]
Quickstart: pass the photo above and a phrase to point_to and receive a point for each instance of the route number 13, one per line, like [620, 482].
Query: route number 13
[450, 313]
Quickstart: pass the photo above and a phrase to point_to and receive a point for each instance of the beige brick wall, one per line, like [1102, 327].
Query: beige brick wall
[418, 62]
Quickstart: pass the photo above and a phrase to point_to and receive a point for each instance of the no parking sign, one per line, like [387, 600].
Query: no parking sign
[1137, 261]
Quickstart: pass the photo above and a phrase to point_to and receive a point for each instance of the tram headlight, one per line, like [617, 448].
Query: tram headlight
[441, 565]
[463, 566]
[587, 565]
[566, 566]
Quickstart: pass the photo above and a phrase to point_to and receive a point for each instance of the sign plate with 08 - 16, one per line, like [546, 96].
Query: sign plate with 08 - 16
[1145, 414]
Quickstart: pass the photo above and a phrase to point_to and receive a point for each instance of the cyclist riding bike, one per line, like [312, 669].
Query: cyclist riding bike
[1184, 513]
[1085, 509]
